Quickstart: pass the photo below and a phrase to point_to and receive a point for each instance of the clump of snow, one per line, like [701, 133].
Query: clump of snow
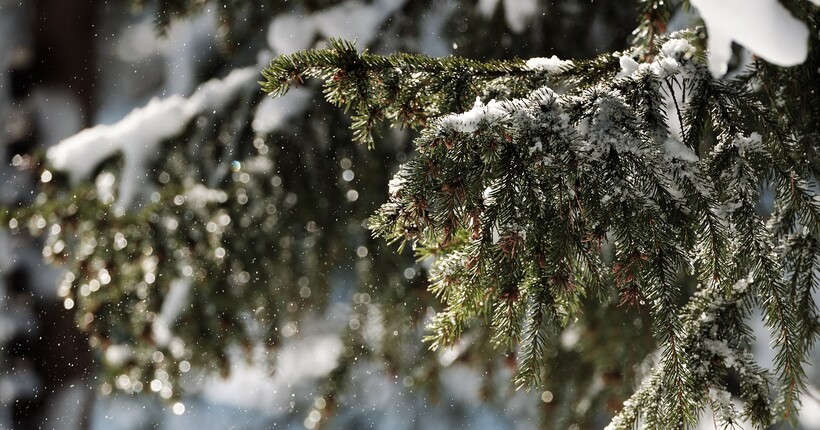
[741, 285]
[433, 24]
[678, 48]
[764, 27]
[396, 185]
[289, 33]
[215, 93]
[670, 61]
[674, 148]
[274, 112]
[752, 143]
[722, 403]
[517, 13]
[252, 386]
[487, 7]
[549, 65]
[489, 198]
[139, 134]
[468, 122]
[674, 66]
[116, 355]
[199, 195]
[721, 349]
[182, 46]
[628, 65]
[351, 20]
[744, 144]
[175, 301]
[355, 20]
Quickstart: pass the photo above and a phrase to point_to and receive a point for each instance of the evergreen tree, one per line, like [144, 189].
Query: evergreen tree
[599, 225]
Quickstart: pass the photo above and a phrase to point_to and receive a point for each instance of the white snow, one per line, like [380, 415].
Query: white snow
[628, 66]
[350, 20]
[182, 47]
[289, 33]
[199, 196]
[468, 122]
[550, 65]
[744, 144]
[488, 197]
[274, 112]
[252, 386]
[138, 135]
[764, 27]
[355, 20]
[215, 93]
[487, 7]
[678, 48]
[431, 27]
[175, 300]
[395, 185]
[676, 149]
[721, 348]
[517, 13]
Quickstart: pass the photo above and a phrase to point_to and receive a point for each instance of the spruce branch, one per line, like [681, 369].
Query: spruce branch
[405, 90]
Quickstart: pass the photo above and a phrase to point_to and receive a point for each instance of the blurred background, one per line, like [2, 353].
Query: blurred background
[349, 311]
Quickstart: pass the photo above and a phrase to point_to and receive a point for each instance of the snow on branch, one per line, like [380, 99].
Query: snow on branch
[139, 134]
[764, 27]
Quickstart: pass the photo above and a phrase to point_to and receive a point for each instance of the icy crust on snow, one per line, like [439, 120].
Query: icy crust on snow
[351, 20]
[139, 134]
[764, 27]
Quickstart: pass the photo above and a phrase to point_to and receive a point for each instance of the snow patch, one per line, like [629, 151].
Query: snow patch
[216, 93]
[676, 149]
[289, 33]
[517, 13]
[549, 65]
[175, 300]
[139, 134]
[468, 122]
[252, 386]
[351, 20]
[274, 112]
[396, 185]
[199, 196]
[764, 27]
[628, 66]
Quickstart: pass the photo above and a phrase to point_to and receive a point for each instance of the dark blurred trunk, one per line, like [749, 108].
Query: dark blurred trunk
[64, 47]
[64, 32]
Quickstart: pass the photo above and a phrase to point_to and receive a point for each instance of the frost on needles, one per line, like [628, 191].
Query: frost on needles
[635, 178]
